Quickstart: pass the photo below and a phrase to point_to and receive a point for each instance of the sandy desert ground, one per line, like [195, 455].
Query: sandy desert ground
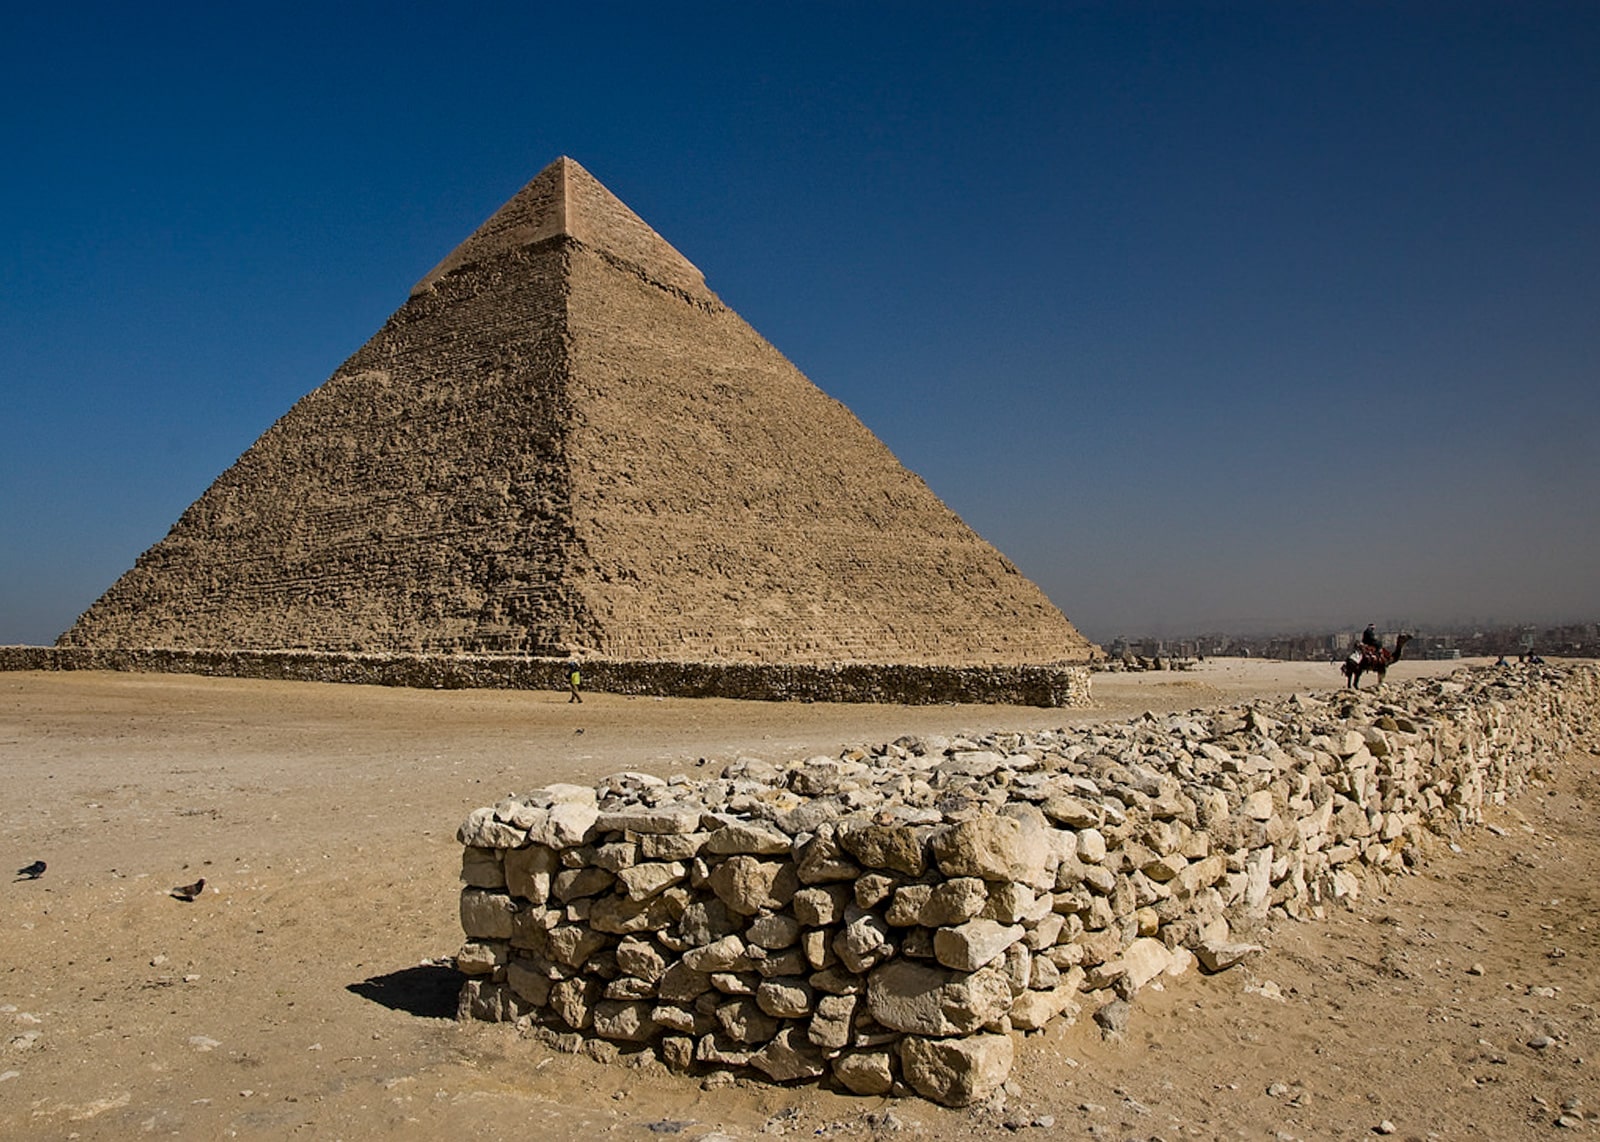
[304, 994]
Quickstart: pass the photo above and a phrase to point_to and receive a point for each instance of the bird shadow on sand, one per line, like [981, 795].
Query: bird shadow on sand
[427, 990]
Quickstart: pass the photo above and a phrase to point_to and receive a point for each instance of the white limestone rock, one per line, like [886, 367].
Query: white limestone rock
[992, 848]
[567, 824]
[1215, 957]
[529, 872]
[865, 1072]
[925, 1000]
[486, 915]
[970, 946]
[482, 868]
[785, 998]
[754, 838]
[864, 941]
[790, 1056]
[642, 881]
[482, 830]
[747, 885]
[956, 1072]
[1033, 1010]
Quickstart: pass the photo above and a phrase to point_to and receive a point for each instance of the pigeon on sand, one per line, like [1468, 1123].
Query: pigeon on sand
[187, 892]
[31, 872]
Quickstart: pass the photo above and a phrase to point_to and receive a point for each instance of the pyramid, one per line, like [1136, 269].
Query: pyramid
[564, 443]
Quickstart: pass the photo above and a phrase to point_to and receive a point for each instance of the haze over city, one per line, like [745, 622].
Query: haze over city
[1209, 317]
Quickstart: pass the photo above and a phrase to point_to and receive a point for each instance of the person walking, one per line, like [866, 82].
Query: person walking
[574, 681]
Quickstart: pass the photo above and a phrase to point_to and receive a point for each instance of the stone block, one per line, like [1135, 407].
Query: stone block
[529, 872]
[1215, 957]
[830, 1025]
[956, 1072]
[619, 915]
[1007, 903]
[906, 908]
[864, 941]
[572, 883]
[895, 847]
[642, 881]
[528, 982]
[481, 957]
[746, 885]
[865, 1072]
[971, 945]
[819, 906]
[743, 1022]
[726, 954]
[625, 1021]
[785, 998]
[817, 944]
[568, 824]
[1071, 812]
[786, 961]
[1258, 805]
[1032, 1010]
[665, 820]
[754, 838]
[482, 830]
[992, 849]
[823, 861]
[573, 1000]
[671, 846]
[773, 931]
[683, 984]
[641, 957]
[486, 915]
[482, 868]
[925, 1000]
[1140, 962]
[573, 944]
[1091, 847]
[790, 1056]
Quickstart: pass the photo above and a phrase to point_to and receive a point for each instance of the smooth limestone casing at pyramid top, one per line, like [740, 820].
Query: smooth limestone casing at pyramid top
[564, 442]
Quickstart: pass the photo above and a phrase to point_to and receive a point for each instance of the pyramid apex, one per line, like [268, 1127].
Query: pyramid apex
[565, 200]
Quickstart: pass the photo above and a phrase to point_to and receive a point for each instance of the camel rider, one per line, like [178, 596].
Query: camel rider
[1369, 638]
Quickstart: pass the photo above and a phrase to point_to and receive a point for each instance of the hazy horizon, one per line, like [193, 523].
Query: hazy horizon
[1203, 315]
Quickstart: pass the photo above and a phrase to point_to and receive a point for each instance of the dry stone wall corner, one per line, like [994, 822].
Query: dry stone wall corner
[892, 918]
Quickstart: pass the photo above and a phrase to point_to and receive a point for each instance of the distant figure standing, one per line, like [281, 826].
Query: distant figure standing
[574, 680]
[1369, 637]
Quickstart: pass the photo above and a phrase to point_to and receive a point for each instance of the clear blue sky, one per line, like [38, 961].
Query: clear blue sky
[1240, 316]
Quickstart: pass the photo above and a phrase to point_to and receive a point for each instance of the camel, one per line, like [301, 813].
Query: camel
[1378, 661]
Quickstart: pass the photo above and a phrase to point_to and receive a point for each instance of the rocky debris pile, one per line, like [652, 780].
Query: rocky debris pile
[890, 918]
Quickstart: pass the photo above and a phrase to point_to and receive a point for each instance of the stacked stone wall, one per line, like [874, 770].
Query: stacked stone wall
[848, 682]
[891, 918]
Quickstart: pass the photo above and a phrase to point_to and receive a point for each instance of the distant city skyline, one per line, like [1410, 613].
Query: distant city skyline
[1575, 640]
[1249, 318]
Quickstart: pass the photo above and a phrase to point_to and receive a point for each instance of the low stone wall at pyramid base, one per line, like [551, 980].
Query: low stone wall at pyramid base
[890, 920]
[910, 685]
